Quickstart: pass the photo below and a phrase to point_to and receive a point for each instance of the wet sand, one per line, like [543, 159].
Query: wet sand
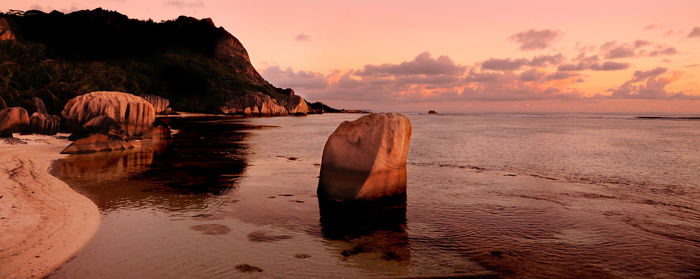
[43, 221]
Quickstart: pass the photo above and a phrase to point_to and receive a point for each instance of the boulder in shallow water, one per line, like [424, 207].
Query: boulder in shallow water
[366, 159]
[134, 114]
[13, 120]
[44, 124]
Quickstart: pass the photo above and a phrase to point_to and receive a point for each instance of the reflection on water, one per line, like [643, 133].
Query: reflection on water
[496, 196]
[376, 232]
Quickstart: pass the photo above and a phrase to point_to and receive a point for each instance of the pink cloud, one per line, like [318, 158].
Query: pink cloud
[535, 39]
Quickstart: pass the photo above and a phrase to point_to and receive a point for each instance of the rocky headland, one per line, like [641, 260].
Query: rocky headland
[185, 64]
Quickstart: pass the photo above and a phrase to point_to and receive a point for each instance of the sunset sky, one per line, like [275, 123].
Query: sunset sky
[458, 56]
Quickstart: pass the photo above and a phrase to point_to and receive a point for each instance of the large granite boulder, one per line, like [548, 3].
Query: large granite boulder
[159, 103]
[13, 120]
[45, 124]
[366, 159]
[134, 114]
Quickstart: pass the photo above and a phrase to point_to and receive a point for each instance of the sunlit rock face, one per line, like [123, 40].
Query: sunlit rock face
[134, 114]
[366, 159]
[159, 103]
[12, 120]
[297, 106]
[45, 124]
[254, 104]
[5, 32]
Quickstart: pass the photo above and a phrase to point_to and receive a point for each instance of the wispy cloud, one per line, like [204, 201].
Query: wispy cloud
[695, 33]
[509, 64]
[535, 39]
[301, 37]
[185, 4]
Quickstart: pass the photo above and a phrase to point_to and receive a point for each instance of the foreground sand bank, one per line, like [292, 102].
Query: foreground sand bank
[42, 220]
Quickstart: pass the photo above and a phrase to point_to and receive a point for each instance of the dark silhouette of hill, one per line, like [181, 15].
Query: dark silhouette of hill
[57, 56]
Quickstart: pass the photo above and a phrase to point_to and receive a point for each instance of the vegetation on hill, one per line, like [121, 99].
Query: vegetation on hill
[57, 56]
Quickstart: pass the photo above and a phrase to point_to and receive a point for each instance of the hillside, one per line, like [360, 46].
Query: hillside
[56, 56]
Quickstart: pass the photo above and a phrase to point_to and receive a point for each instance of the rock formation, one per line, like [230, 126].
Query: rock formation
[39, 106]
[230, 49]
[100, 142]
[13, 120]
[259, 104]
[101, 124]
[296, 105]
[5, 32]
[366, 159]
[160, 104]
[45, 124]
[134, 114]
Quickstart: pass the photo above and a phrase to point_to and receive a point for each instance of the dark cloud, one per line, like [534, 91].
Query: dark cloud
[301, 37]
[695, 33]
[423, 64]
[663, 51]
[619, 52]
[610, 66]
[648, 85]
[560, 75]
[641, 43]
[428, 79]
[531, 75]
[638, 48]
[592, 63]
[506, 64]
[509, 64]
[295, 80]
[185, 4]
[535, 39]
[508, 86]
[642, 75]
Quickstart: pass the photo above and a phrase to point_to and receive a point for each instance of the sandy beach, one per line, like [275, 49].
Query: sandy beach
[43, 221]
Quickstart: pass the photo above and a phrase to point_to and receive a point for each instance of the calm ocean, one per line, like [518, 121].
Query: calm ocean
[492, 195]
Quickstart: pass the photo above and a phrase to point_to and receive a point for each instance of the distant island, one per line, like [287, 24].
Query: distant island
[192, 63]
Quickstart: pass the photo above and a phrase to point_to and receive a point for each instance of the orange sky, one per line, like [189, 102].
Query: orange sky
[458, 55]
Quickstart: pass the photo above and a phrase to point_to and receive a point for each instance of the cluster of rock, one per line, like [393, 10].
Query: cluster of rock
[104, 121]
[17, 120]
[259, 104]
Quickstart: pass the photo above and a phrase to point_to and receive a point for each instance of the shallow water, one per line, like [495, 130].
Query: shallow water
[488, 195]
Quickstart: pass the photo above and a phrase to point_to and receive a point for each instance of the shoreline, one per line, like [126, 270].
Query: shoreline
[43, 221]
